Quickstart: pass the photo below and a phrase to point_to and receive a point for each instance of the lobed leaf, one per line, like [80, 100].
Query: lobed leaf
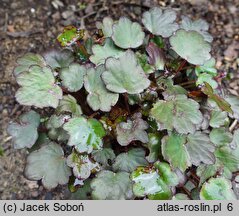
[130, 160]
[111, 186]
[99, 97]
[101, 53]
[106, 26]
[104, 156]
[191, 46]
[25, 132]
[200, 26]
[28, 60]
[217, 189]
[85, 135]
[132, 130]
[38, 88]
[127, 34]
[49, 165]
[73, 77]
[124, 75]
[159, 22]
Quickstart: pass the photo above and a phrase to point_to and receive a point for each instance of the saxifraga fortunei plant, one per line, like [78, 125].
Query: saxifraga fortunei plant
[137, 111]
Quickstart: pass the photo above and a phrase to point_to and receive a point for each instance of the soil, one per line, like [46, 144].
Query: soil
[28, 25]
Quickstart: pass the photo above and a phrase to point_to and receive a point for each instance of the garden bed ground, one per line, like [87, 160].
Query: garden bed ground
[29, 25]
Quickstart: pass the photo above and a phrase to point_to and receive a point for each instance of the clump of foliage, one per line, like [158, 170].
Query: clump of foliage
[136, 111]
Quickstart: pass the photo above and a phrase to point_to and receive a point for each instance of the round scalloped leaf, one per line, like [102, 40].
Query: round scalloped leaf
[177, 112]
[217, 189]
[154, 146]
[200, 26]
[82, 165]
[26, 61]
[101, 53]
[166, 173]
[106, 26]
[73, 76]
[220, 137]
[68, 104]
[132, 130]
[125, 75]
[218, 118]
[59, 59]
[99, 97]
[148, 183]
[205, 77]
[130, 160]
[111, 186]
[174, 151]
[200, 148]
[159, 22]
[55, 130]
[85, 135]
[208, 67]
[24, 133]
[191, 46]
[104, 156]
[70, 35]
[206, 171]
[38, 88]
[48, 163]
[127, 34]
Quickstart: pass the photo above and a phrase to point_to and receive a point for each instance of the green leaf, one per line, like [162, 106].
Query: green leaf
[223, 104]
[85, 135]
[200, 26]
[59, 59]
[191, 46]
[26, 61]
[177, 112]
[200, 148]
[220, 137]
[24, 133]
[111, 186]
[218, 119]
[72, 77]
[68, 104]
[132, 130]
[142, 60]
[99, 97]
[106, 26]
[159, 22]
[156, 56]
[208, 67]
[217, 189]
[154, 146]
[104, 156]
[148, 183]
[175, 152]
[82, 165]
[167, 174]
[130, 160]
[235, 141]
[127, 34]
[101, 53]
[70, 35]
[234, 103]
[125, 75]
[205, 77]
[38, 88]
[206, 171]
[83, 192]
[48, 163]
[180, 196]
[55, 130]
[169, 88]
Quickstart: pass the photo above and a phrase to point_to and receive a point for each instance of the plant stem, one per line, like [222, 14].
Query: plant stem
[126, 99]
[181, 66]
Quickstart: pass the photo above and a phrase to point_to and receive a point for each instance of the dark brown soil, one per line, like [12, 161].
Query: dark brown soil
[29, 25]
